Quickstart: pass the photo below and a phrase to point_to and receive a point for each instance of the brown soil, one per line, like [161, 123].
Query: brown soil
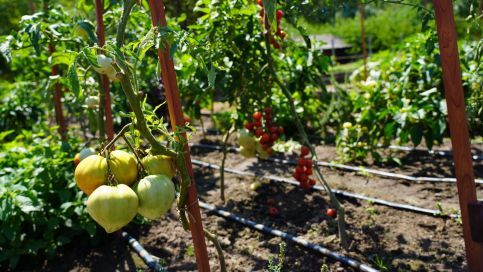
[381, 236]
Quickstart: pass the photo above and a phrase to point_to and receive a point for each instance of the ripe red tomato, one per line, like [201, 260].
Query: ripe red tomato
[262, 14]
[309, 171]
[249, 126]
[268, 111]
[276, 45]
[260, 3]
[280, 130]
[274, 137]
[299, 169]
[257, 116]
[272, 211]
[303, 178]
[304, 151]
[312, 182]
[273, 130]
[301, 162]
[279, 14]
[259, 132]
[331, 213]
[304, 185]
[308, 163]
[265, 138]
[296, 176]
[268, 123]
[257, 124]
[269, 151]
[271, 202]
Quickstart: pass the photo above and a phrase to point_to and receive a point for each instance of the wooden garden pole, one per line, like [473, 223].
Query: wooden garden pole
[363, 38]
[104, 78]
[59, 114]
[177, 119]
[458, 124]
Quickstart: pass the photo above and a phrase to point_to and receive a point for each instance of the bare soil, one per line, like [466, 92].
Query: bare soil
[380, 236]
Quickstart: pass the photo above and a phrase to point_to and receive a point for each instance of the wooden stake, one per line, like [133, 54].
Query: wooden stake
[177, 119]
[59, 114]
[104, 78]
[458, 124]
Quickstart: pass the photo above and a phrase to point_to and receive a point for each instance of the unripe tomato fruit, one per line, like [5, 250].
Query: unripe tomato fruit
[331, 213]
[91, 173]
[86, 152]
[113, 207]
[159, 164]
[247, 153]
[77, 159]
[255, 185]
[257, 116]
[123, 166]
[156, 195]
[92, 102]
[245, 139]
[347, 125]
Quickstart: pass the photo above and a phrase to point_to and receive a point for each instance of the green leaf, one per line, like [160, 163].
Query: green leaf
[66, 58]
[270, 7]
[211, 76]
[416, 135]
[90, 29]
[74, 80]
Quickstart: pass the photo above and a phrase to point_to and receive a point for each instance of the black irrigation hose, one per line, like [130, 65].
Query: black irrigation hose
[351, 168]
[147, 258]
[265, 229]
[337, 192]
[441, 153]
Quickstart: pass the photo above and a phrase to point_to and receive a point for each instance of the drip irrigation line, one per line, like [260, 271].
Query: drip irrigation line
[145, 256]
[394, 205]
[441, 152]
[360, 169]
[287, 236]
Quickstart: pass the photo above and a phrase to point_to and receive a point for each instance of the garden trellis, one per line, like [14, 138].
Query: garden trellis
[457, 121]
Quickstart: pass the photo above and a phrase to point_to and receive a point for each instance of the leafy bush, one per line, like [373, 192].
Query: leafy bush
[40, 208]
[403, 100]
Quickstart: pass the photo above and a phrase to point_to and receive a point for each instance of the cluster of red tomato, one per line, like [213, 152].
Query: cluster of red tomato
[280, 33]
[262, 126]
[272, 209]
[304, 170]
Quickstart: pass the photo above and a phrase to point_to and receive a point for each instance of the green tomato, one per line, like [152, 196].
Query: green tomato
[123, 166]
[156, 195]
[91, 173]
[113, 207]
[158, 164]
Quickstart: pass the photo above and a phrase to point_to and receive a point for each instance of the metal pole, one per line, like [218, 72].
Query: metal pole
[177, 119]
[458, 124]
[363, 38]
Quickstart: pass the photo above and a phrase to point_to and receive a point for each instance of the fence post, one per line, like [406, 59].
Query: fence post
[104, 78]
[177, 119]
[458, 124]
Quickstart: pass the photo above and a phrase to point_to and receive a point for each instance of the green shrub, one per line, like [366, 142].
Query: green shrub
[40, 207]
